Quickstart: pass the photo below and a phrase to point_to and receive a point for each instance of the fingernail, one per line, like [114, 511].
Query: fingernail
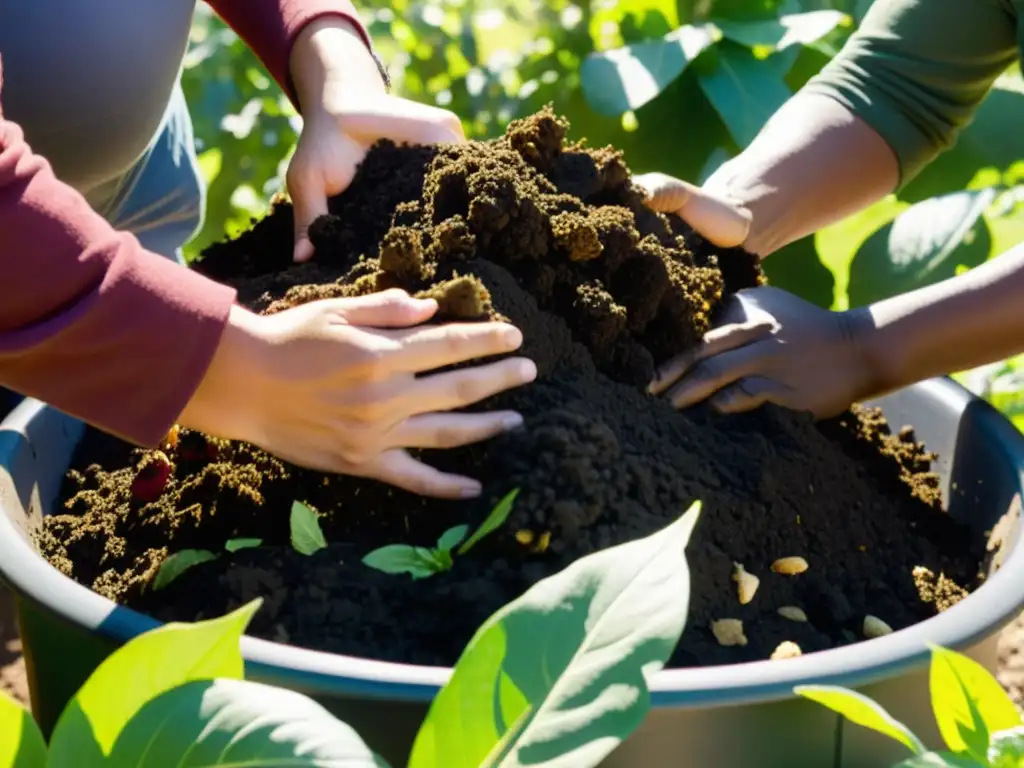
[527, 371]
[470, 490]
[512, 337]
[512, 421]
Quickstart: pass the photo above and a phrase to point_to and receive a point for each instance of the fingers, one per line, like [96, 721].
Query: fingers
[404, 122]
[715, 342]
[430, 347]
[398, 468]
[720, 221]
[748, 394]
[457, 389]
[450, 430]
[715, 373]
[393, 308]
[309, 200]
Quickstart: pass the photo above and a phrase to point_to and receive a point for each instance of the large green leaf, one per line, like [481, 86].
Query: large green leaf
[622, 79]
[21, 743]
[238, 723]
[860, 710]
[565, 666]
[969, 703]
[787, 30]
[1006, 748]
[745, 90]
[922, 246]
[143, 668]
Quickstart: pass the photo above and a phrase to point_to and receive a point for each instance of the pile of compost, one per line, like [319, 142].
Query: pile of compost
[555, 238]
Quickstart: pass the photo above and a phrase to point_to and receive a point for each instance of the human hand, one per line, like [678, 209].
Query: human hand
[332, 385]
[346, 109]
[773, 347]
[707, 209]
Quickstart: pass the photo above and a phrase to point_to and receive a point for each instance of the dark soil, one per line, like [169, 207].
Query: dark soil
[555, 238]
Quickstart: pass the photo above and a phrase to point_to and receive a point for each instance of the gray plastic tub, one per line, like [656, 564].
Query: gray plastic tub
[742, 716]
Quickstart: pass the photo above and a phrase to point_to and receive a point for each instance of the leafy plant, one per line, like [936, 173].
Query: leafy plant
[558, 676]
[418, 562]
[307, 537]
[978, 722]
[176, 564]
[492, 522]
[421, 562]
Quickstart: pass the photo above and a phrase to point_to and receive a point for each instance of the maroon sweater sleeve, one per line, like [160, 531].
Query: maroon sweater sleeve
[89, 321]
[270, 27]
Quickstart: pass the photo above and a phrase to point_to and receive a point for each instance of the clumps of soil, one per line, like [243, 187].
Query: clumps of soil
[554, 237]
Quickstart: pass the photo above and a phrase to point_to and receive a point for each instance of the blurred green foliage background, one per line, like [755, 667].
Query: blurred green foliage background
[679, 85]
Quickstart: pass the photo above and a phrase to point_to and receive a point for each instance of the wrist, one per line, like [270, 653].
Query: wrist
[876, 360]
[222, 404]
[332, 51]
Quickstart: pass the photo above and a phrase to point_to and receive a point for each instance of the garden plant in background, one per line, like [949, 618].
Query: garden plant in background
[578, 648]
[979, 723]
[679, 85]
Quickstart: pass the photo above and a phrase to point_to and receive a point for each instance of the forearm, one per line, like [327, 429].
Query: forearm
[329, 50]
[963, 322]
[89, 321]
[813, 164]
[272, 28]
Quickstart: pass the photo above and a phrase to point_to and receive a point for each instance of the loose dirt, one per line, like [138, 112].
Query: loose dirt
[554, 237]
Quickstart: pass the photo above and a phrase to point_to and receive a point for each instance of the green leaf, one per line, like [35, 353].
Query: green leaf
[238, 723]
[797, 268]
[493, 521]
[861, 710]
[745, 90]
[968, 702]
[940, 760]
[402, 558]
[566, 665]
[922, 246]
[178, 563]
[145, 667]
[21, 742]
[623, 79]
[451, 538]
[780, 33]
[307, 537]
[233, 545]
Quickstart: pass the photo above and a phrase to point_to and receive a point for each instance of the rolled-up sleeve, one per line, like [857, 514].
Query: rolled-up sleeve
[916, 71]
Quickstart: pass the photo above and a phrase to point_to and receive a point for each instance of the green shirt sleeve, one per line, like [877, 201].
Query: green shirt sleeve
[916, 71]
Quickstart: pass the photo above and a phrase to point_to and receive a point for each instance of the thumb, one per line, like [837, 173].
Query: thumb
[722, 222]
[393, 308]
[309, 201]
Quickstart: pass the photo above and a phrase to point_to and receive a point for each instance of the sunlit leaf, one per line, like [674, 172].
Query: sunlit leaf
[238, 723]
[566, 665]
[622, 79]
[21, 742]
[787, 30]
[744, 90]
[922, 246]
[142, 669]
[493, 521]
[859, 709]
[968, 702]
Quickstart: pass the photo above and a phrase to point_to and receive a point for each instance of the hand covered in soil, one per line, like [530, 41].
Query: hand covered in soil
[332, 385]
[707, 210]
[772, 347]
[346, 110]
